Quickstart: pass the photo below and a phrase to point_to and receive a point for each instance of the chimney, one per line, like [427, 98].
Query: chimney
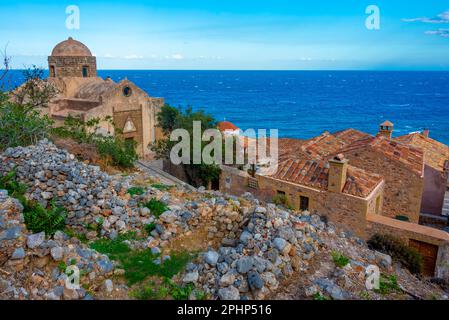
[426, 132]
[338, 168]
[386, 130]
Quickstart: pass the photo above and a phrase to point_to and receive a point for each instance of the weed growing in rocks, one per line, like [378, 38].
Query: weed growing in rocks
[339, 259]
[150, 227]
[140, 264]
[15, 189]
[319, 297]
[388, 284]
[136, 191]
[156, 207]
[38, 219]
[167, 289]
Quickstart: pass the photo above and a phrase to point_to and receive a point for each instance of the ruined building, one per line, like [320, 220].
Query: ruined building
[73, 70]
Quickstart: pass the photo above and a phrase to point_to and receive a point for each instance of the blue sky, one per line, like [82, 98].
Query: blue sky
[234, 34]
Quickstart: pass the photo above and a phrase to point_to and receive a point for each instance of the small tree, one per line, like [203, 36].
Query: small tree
[21, 121]
[169, 119]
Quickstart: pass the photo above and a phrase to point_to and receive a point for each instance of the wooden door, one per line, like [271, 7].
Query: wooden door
[429, 253]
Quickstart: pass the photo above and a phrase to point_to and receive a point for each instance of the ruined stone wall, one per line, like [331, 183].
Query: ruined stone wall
[346, 212]
[73, 66]
[403, 188]
[406, 231]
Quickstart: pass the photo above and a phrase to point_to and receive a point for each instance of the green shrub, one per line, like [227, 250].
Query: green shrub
[281, 200]
[15, 189]
[339, 259]
[38, 219]
[19, 127]
[392, 246]
[121, 153]
[387, 285]
[319, 297]
[149, 228]
[133, 191]
[156, 207]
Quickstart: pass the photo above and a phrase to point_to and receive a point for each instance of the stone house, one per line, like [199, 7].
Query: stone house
[361, 183]
[400, 164]
[435, 197]
[335, 189]
[81, 93]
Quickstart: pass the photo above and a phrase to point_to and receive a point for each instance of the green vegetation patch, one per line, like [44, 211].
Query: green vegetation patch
[319, 297]
[38, 219]
[392, 246]
[139, 265]
[149, 228]
[167, 289]
[156, 207]
[339, 259]
[133, 191]
[387, 285]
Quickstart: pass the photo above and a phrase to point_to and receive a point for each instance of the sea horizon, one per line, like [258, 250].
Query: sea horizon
[303, 104]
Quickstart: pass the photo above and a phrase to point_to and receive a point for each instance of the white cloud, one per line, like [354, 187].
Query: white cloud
[440, 32]
[133, 57]
[441, 18]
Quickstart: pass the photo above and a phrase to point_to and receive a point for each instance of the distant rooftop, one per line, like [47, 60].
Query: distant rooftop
[436, 153]
[226, 125]
[315, 174]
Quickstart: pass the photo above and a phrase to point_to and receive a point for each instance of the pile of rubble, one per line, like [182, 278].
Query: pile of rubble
[272, 246]
[32, 266]
[249, 250]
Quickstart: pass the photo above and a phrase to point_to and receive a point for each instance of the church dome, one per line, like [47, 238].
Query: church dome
[71, 48]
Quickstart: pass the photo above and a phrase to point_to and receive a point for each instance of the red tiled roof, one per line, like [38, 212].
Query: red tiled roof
[436, 153]
[315, 174]
[387, 124]
[411, 157]
[351, 135]
[322, 145]
[226, 125]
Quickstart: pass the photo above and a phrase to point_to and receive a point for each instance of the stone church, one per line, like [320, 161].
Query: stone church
[81, 93]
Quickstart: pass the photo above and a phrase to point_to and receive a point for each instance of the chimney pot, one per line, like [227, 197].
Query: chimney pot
[426, 132]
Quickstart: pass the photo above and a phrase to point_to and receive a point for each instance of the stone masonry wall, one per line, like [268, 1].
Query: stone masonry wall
[346, 212]
[73, 66]
[403, 188]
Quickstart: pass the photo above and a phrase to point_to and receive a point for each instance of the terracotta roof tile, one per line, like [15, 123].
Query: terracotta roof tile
[315, 174]
[351, 135]
[226, 125]
[436, 153]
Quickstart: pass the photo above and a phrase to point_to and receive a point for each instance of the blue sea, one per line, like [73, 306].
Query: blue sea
[303, 104]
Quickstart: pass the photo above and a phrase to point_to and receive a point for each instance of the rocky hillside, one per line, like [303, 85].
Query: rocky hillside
[132, 237]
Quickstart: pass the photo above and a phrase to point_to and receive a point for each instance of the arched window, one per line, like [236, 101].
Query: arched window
[52, 71]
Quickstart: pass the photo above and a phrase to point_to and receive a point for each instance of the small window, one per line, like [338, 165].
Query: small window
[378, 205]
[303, 203]
[52, 71]
[127, 91]
[85, 71]
[280, 193]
